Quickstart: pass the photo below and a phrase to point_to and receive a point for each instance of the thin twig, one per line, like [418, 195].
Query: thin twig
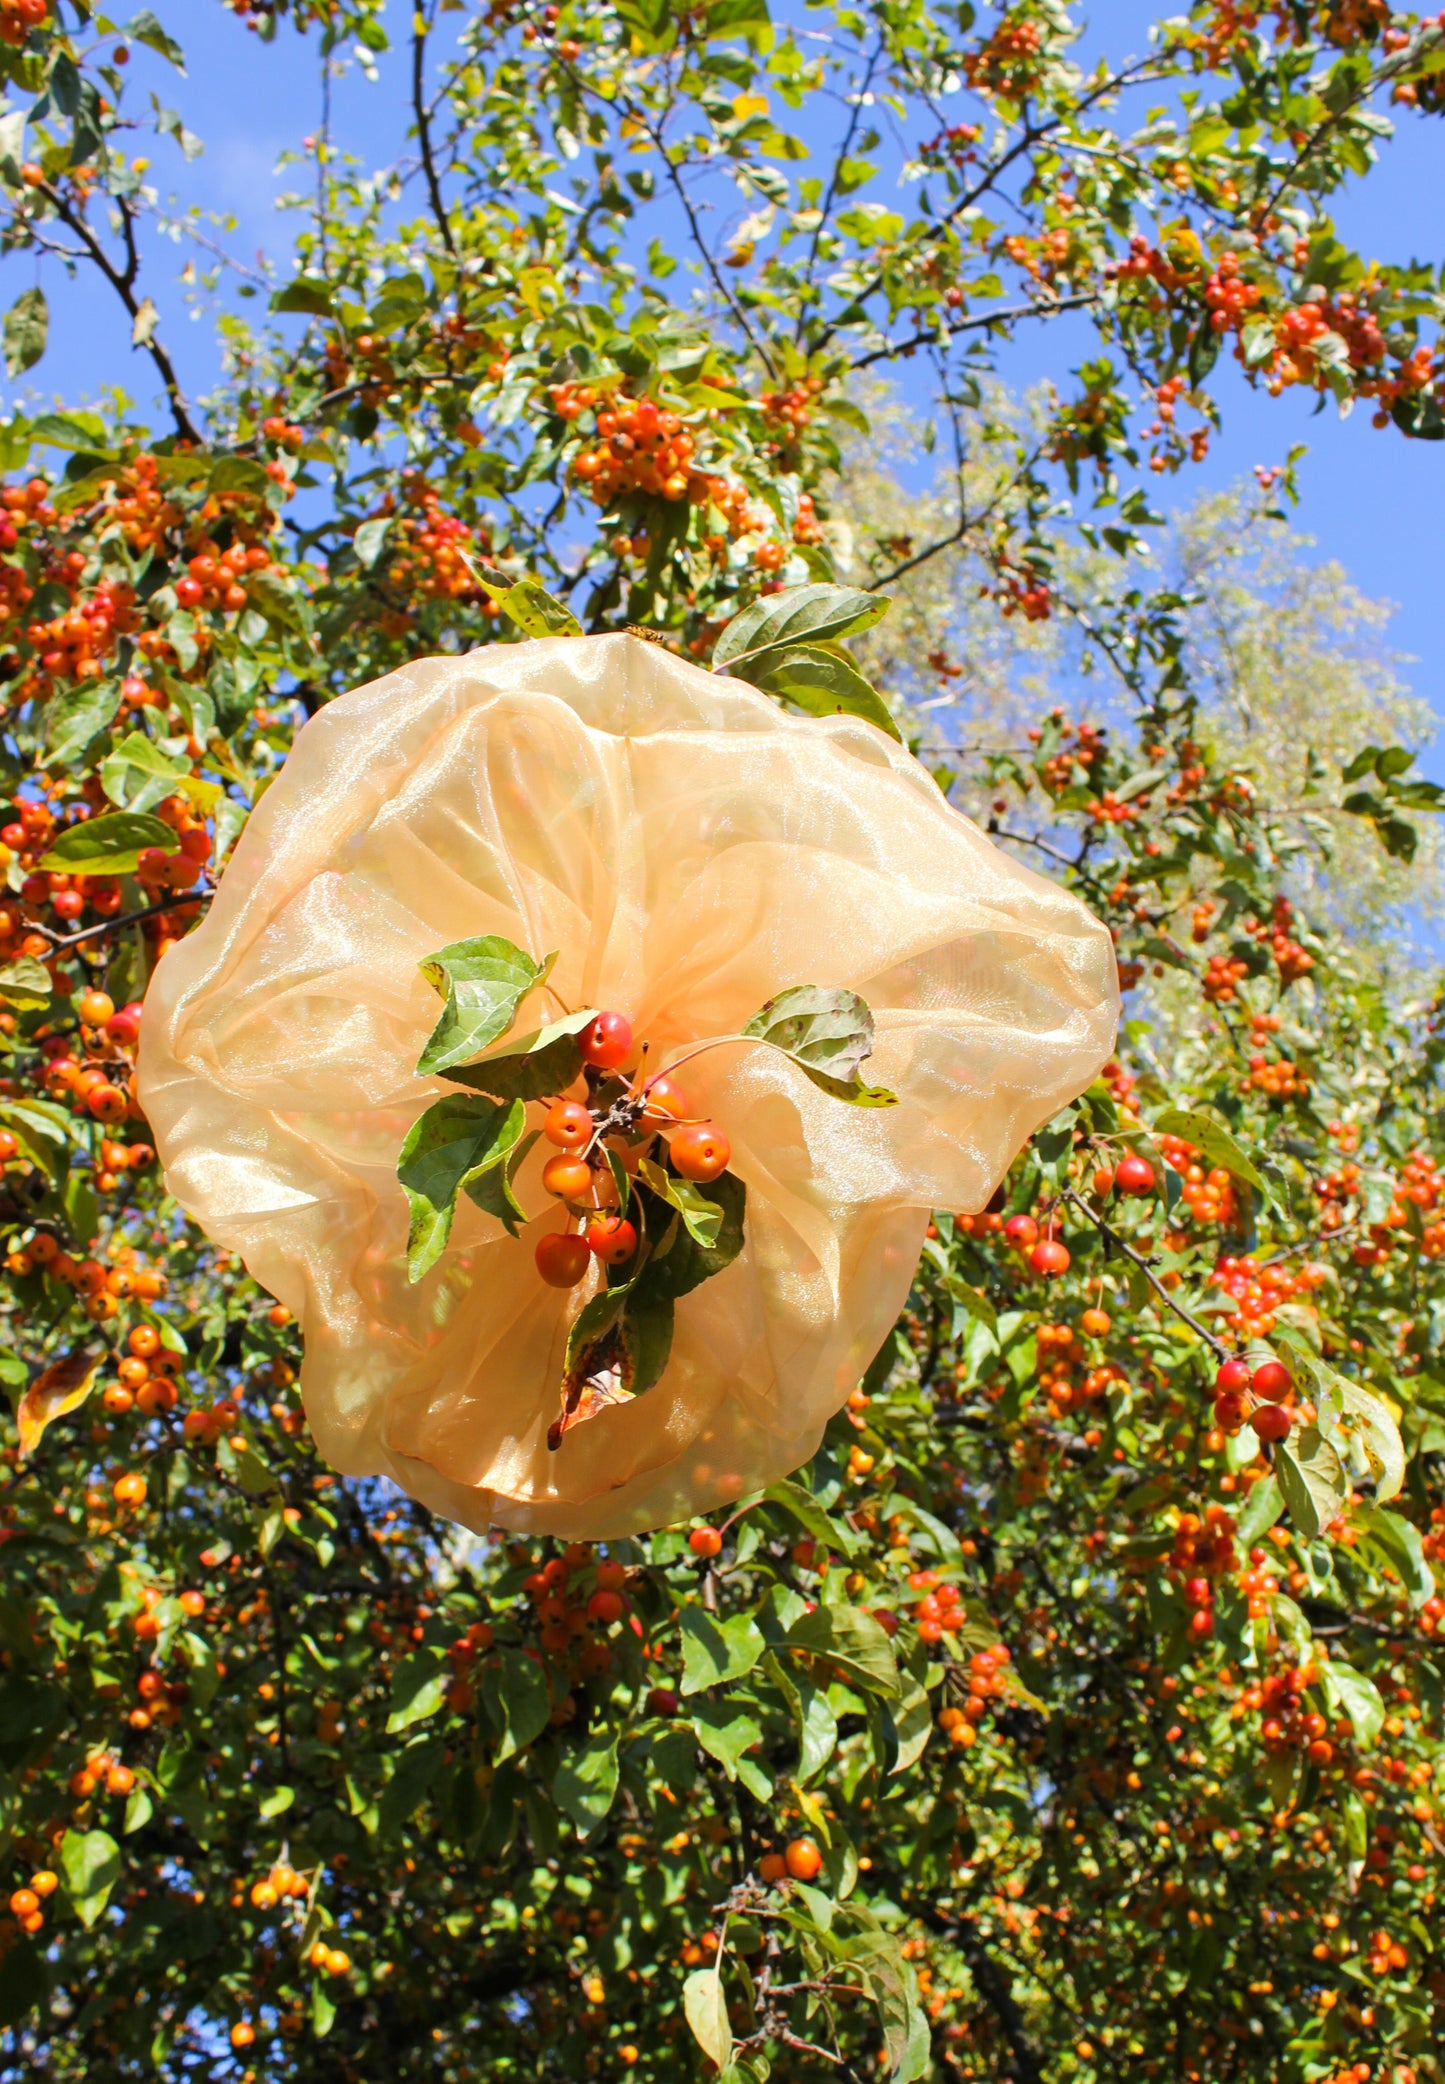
[123, 283]
[983, 319]
[420, 32]
[1216, 1346]
[61, 942]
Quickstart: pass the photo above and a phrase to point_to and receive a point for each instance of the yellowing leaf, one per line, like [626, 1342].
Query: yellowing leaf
[63, 1386]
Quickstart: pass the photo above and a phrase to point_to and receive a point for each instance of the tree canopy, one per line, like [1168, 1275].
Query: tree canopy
[1058, 1720]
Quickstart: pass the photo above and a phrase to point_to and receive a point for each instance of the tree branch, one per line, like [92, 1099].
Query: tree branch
[1216, 1346]
[420, 32]
[123, 285]
[61, 942]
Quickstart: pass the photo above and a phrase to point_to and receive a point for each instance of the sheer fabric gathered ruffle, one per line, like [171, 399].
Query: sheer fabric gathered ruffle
[691, 850]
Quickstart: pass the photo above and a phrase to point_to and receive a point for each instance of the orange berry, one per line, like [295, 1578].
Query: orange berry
[803, 1859]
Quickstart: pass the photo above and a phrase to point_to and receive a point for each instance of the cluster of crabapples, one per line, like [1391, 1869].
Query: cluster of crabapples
[1048, 1255]
[580, 1174]
[1254, 1393]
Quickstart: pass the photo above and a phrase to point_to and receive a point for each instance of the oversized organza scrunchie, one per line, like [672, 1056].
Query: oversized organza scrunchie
[691, 850]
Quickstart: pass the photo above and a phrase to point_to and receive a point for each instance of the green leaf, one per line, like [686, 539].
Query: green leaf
[144, 28]
[25, 984]
[371, 539]
[276, 1802]
[417, 1690]
[707, 2015]
[108, 846]
[818, 680]
[138, 775]
[307, 293]
[828, 1034]
[823, 682]
[27, 326]
[275, 598]
[1397, 1541]
[1213, 1140]
[482, 981]
[725, 1731]
[536, 612]
[1352, 1694]
[702, 1218]
[515, 1695]
[540, 1064]
[802, 1506]
[716, 1652]
[795, 615]
[912, 1726]
[77, 716]
[851, 1639]
[90, 1863]
[447, 1149]
[492, 1190]
[586, 1781]
[678, 1263]
[1262, 1508]
[1356, 1423]
[408, 1786]
[1312, 1480]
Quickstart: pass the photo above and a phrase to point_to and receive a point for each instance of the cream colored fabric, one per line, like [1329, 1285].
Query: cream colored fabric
[691, 850]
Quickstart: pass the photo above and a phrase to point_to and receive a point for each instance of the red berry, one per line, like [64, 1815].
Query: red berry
[705, 1541]
[1049, 1256]
[1271, 1421]
[666, 1096]
[1104, 1182]
[612, 1238]
[567, 1176]
[1134, 1175]
[606, 1607]
[568, 1124]
[662, 1701]
[1229, 1412]
[1232, 1379]
[802, 1859]
[1270, 1380]
[562, 1258]
[699, 1152]
[1022, 1231]
[608, 1042]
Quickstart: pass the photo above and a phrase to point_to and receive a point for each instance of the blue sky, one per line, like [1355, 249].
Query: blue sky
[1370, 499]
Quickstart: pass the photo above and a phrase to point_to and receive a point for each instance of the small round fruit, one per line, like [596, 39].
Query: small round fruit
[663, 1701]
[1096, 1323]
[1232, 1379]
[1104, 1182]
[562, 1258]
[705, 1541]
[1022, 1232]
[567, 1176]
[699, 1152]
[772, 1867]
[665, 1096]
[1271, 1421]
[608, 1042]
[95, 1008]
[612, 1238]
[1270, 1380]
[606, 1607]
[1229, 1411]
[1134, 1175]
[803, 1859]
[1049, 1257]
[568, 1125]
